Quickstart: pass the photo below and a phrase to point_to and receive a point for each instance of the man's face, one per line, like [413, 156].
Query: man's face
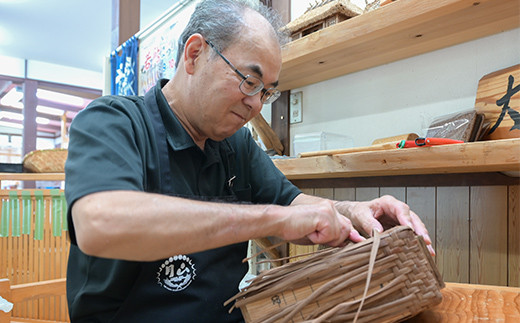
[221, 106]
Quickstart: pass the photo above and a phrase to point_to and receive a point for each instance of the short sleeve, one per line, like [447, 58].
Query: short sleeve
[103, 152]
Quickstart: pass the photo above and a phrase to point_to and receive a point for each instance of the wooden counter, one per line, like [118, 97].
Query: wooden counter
[470, 303]
[482, 156]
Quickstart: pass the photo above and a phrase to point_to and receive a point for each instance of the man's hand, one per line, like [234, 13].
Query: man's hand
[383, 213]
[318, 223]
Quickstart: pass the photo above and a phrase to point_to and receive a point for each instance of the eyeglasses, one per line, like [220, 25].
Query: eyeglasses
[251, 85]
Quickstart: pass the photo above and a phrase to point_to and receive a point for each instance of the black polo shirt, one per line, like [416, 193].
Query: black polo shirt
[113, 146]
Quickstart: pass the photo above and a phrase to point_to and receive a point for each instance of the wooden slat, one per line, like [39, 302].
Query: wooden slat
[327, 193]
[345, 194]
[514, 236]
[484, 156]
[397, 192]
[403, 29]
[488, 238]
[422, 201]
[26, 260]
[367, 193]
[453, 233]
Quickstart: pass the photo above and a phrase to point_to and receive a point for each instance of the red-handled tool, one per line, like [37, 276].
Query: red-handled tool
[419, 142]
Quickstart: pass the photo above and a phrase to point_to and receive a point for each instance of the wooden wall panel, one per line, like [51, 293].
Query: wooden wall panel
[345, 194]
[397, 192]
[327, 193]
[366, 193]
[475, 229]
[309, 191]
[452, 233]
[514, 236]
[422, 201]
[488, 235]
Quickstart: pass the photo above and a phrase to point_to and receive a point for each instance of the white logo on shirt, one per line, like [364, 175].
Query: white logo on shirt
[176, 273]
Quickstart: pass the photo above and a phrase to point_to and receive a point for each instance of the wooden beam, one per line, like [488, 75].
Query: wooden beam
[280, 121]
[125, 20]
[82, 92]
[422, 180]
[57, 105]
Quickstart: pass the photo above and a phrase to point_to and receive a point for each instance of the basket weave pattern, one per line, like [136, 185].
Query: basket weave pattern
[46, 161]
[329, 286]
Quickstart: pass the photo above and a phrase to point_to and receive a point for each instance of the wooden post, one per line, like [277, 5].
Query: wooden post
[125, 20]
[5, 292]
[64, 131]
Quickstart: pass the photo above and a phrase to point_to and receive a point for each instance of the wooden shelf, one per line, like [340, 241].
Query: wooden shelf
[483, 156]
[32, 177]
[402, 29]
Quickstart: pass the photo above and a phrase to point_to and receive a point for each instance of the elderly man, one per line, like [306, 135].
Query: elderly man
[165, 190]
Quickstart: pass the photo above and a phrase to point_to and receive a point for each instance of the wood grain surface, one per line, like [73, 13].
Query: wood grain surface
[499, 114]
[474, 303]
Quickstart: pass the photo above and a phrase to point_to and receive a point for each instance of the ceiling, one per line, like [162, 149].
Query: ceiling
[74, 33]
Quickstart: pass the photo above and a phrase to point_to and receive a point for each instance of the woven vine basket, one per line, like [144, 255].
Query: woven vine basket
[387, 278]
[45, 161]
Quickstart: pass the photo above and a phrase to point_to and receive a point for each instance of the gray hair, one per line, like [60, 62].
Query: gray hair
[221, 22]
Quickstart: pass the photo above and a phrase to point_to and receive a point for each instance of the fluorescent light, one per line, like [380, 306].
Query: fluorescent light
[12, 98]
[11, 115]
[49, 110]
[60, 97]
[41, 120]
[11, 125]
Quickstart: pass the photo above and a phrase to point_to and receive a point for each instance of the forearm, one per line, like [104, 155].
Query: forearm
[143, 226]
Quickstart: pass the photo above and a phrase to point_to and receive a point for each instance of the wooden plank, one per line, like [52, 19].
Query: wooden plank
[5, 292]
[465, 179]
[474, 303]
[327, 193]
[397, 192]
[344, 194]
[491, 88]
[452, 233]
[32, 176]
[483, 156]
[514, 236]
[21, 292]
[404, 29]
[422, 201]
[488, 235]
[367, 193]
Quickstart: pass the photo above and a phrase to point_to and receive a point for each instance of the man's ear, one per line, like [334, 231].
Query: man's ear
[192, 50]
